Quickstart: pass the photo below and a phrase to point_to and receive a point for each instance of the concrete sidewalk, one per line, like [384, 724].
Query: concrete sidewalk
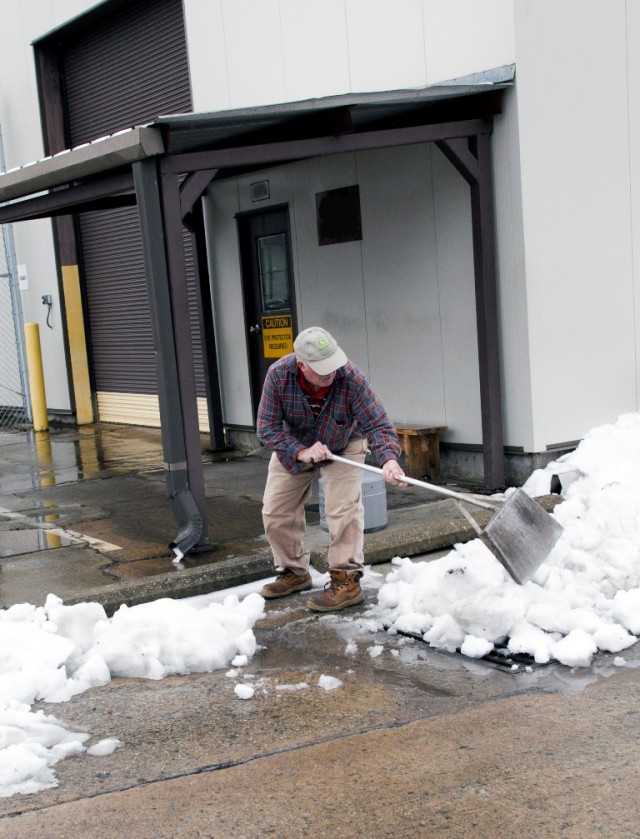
[84, 515]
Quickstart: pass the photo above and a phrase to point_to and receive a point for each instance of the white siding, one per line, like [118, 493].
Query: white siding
[633, 97]
[226, 288]
[329, 278]
[401, 282]
[511, 270]
[253, 51]
[573, 98]
[207, 48]
[457, 312]
[467, 36]
[258, 52]
[386, 44]
[315, 64]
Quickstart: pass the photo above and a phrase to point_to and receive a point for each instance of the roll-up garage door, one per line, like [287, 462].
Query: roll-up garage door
[122, 67]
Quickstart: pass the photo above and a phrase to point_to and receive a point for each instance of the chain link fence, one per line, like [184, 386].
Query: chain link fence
[14, 411]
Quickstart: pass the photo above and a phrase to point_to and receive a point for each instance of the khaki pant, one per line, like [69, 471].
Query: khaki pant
[283, 512]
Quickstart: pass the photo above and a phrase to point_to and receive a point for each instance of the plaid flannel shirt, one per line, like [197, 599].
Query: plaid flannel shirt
[352, 410]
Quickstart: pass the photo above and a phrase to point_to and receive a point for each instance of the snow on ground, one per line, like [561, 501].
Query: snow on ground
[584, 598]
[53, 652]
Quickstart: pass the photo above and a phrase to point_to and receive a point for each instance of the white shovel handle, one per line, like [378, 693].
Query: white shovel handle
[459, 496]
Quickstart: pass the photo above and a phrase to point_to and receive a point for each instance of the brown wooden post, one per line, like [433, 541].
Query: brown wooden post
[472, 158]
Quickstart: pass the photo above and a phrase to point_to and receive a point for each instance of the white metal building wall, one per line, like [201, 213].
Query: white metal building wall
[306, 48]
[578, 111]
[512, 290]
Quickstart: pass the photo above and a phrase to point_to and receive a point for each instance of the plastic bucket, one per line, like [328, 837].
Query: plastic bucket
[374, 501]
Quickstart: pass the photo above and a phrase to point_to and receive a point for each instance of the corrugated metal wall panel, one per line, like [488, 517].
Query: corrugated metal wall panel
[126, 70]
[122, 70]
[120, 329]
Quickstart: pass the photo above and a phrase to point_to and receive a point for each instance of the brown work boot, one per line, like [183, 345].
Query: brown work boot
[342, 590]
[286, 582]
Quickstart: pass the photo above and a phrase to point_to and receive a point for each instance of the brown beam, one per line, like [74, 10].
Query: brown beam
[459, 155]
[484, 260]
[472, 158]
[210, 357]
[299, 149]
[192, 188]
[178, 477]
[51, 96]
[73, 199]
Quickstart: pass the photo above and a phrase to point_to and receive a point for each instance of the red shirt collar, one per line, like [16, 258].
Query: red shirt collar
[308, 390]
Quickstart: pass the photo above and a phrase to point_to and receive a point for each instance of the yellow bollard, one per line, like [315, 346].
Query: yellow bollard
[36, 377]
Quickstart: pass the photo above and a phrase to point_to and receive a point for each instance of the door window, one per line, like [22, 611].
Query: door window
[274, 277]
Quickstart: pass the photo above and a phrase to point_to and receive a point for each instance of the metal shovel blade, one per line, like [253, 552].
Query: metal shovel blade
[521, 536]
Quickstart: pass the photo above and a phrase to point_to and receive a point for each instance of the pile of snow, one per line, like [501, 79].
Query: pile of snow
[585, 597]
[54, 652]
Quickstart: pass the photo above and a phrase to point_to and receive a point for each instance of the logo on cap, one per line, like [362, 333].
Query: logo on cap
[324, 347]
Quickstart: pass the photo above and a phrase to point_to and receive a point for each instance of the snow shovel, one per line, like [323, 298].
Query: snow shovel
[520, 535]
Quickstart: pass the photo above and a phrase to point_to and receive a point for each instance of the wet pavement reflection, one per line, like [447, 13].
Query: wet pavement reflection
[27, 541]
[37, 459]
[103, 488]
[33, 462]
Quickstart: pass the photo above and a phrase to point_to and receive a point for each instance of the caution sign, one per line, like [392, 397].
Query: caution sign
[277, 335]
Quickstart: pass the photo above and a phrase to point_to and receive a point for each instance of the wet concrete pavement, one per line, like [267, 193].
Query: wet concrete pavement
[84, 514]
[414, 743]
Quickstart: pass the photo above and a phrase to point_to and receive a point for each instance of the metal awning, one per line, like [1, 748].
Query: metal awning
[89, 159]
[165, 166]
[176, 134]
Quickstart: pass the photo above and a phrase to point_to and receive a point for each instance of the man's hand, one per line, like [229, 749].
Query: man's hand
[314, 454]
[393, 474]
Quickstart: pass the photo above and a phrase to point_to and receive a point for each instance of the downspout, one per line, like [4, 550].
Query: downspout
[183, 505]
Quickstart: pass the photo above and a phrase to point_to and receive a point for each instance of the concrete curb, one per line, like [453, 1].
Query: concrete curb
[410, 531]
[183, 582]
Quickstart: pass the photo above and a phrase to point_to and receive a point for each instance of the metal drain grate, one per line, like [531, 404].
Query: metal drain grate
[513, 662]
[501, 657]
